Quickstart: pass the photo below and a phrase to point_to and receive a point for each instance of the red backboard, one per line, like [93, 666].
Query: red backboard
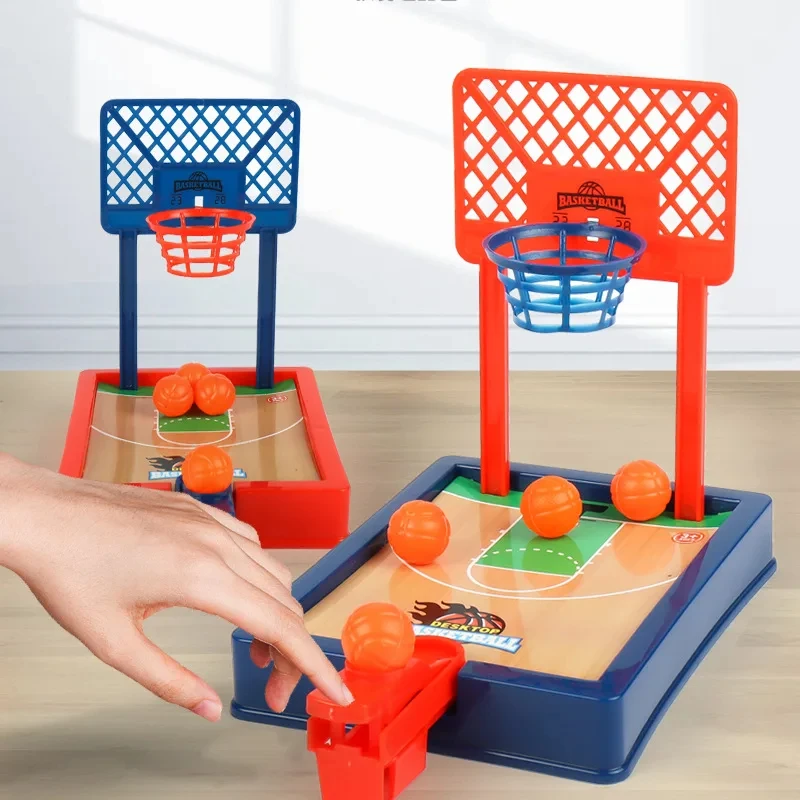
[654, 156]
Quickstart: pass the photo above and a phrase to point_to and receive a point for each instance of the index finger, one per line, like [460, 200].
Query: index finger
[247, 607]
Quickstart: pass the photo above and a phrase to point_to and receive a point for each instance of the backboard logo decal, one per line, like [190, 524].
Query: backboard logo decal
[465, 624]
[591, 196]
[198, 182]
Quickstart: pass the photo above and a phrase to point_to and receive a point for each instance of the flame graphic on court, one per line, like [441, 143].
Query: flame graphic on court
[465, 624]
[164, 468]
[165, 463]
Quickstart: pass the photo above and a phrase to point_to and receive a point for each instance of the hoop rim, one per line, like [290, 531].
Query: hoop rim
[157, 218]
[185, 246]
[563, 229]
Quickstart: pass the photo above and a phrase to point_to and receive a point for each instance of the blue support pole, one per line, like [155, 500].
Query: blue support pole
[128, 375]
[267, 289]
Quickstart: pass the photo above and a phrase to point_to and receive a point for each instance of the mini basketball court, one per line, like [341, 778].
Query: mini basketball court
[568, 188]
[265, 432]
[205, 176]
[501, 590]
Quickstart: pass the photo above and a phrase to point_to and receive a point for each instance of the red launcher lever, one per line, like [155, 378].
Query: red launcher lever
[375, 747]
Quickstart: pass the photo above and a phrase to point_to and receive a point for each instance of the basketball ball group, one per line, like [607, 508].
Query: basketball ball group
[551, 506]
[194, 385]
[419, 532]
[173, 395]
[641, 490]
[214, 394]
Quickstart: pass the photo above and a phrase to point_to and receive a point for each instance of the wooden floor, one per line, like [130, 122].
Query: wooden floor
[72, 728]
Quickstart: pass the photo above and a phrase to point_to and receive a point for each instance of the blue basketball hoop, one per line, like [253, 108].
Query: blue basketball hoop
[572, 276]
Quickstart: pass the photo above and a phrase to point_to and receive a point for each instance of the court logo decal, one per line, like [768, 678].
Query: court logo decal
[688, 537]
[591, 195]
[465, 624]
[167, 468]
[198, 182]
[164, 466]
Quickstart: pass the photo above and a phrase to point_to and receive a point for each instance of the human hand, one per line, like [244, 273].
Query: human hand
[101, 558]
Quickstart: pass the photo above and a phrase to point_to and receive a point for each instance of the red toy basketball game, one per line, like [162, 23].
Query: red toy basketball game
[203, 176]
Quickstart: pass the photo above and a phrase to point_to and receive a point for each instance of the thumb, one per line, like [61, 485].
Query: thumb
[134, 655]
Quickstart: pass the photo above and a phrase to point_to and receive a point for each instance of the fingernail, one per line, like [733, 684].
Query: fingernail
[347, 695]
[209, 709]
[279, 708]
[262, 662]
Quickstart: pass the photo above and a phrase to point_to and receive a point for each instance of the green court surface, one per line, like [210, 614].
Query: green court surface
[520, 549]
[470, 490]
[195, 423]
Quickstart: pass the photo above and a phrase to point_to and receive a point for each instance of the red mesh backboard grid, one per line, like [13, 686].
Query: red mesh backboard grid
[656, 156]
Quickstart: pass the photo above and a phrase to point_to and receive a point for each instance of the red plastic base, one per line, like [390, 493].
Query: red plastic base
[286, 514]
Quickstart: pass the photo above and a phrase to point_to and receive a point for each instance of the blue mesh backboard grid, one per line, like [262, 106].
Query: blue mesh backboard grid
[159, 154]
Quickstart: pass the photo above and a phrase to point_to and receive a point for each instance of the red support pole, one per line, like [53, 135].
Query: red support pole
[495, 466]
[691, 399]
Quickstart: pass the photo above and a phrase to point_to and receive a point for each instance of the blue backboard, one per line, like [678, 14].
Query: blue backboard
[161, 154]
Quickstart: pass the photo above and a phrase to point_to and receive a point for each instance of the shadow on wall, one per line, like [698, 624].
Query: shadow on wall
[768, 123]
[374, 238]
[46, 169]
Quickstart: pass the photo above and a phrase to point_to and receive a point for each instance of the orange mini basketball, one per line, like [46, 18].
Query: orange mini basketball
[193, 371]
[551, 506]
[640, 490]
[214, 394]
[173, 395]
[207, 470]
[419, 532]
[378, 637]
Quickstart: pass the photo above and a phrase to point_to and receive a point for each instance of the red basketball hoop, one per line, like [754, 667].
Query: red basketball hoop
[200, 242]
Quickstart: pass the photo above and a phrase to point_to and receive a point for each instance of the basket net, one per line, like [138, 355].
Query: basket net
[200, 242]
[567, 277]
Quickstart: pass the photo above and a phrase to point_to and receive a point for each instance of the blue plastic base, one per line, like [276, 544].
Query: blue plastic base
[221, 500]
[596, 730]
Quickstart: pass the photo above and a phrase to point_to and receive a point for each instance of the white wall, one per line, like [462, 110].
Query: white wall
[370, 277]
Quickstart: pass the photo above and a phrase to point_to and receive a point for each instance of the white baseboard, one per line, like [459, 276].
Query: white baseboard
[411, 342]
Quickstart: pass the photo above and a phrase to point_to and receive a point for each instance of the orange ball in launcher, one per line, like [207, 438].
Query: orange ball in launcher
[378, 637]
[207, 470]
